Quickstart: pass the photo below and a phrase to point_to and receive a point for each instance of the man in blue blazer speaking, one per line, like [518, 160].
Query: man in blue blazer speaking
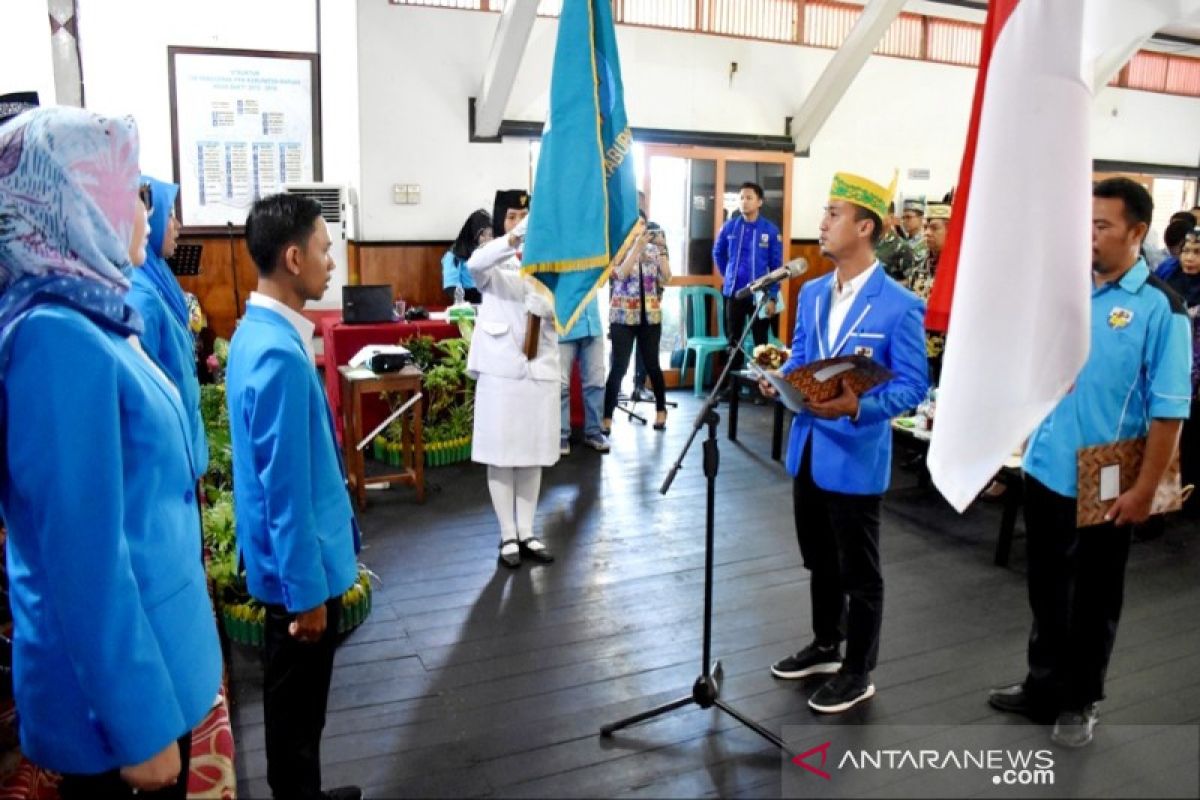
[840, 450]
[295, 529]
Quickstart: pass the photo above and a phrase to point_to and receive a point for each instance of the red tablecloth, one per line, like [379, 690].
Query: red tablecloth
[343, 341]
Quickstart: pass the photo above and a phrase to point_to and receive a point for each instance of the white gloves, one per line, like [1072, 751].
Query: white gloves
[519, 229]
[538, 301]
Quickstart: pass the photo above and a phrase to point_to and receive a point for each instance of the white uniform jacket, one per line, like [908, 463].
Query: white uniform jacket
[497, 346]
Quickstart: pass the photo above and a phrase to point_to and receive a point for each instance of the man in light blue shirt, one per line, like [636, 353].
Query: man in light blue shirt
[584, 341]
[1136, 383]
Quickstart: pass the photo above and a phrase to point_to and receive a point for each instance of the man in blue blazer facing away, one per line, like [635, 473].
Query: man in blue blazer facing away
[296, 531]
[840, 450]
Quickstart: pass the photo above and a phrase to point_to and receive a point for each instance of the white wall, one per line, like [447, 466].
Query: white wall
[124, 52]
[25, 55]
[340, 107]
[123, 47]
[1146, 127]
[898, 114]
[418, 66]
[395, 81]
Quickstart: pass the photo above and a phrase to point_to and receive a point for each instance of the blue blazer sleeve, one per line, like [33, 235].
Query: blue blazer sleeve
[76, 446]
[775, 258]
[278, 423]
[721, 249]
[910, 367]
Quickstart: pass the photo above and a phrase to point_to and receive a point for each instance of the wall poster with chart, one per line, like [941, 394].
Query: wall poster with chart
[244, 123]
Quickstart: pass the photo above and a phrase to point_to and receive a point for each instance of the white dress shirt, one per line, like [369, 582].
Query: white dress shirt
[301, 323]
[843, 295]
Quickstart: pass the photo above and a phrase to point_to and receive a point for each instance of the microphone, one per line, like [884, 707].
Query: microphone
[792, 269]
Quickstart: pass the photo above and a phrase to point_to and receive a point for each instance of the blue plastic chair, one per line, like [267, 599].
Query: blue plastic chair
[698, 338]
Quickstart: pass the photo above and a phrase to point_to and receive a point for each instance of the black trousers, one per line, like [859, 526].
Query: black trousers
[1076, 589]
[839, 544]
[295, 692]
[762, 328]
[111, 785]
[738, 315]
[1189, 459]
[623, 338]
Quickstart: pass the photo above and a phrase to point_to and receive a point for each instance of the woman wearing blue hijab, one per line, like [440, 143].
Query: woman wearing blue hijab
[115, 653]
[157, 297]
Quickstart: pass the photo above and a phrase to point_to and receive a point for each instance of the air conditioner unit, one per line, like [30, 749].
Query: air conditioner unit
[337, 209]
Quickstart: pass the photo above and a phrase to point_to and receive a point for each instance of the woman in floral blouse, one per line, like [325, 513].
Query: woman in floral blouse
[635, 315]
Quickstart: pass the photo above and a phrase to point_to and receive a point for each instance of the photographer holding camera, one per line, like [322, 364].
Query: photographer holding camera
[635, 315]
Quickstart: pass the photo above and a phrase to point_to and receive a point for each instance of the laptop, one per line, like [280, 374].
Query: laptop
[363, 305]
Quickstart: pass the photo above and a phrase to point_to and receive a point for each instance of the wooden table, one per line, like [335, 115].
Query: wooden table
[357, 382]
[748, 379]
[342, 342]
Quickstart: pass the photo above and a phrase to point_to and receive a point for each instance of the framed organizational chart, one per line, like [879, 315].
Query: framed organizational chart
[244, 124]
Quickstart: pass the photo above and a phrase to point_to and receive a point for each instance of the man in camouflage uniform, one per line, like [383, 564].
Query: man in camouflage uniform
[912, 224]
[921, 280]
[893, 251]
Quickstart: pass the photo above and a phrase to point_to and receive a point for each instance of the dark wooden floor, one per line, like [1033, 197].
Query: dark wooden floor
[471, 680]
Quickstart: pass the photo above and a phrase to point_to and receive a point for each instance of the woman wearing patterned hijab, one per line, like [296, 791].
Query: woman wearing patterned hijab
[115, 653]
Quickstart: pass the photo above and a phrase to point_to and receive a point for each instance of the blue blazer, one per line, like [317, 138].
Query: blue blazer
[115, 651]
[886, 323]
[757, 244]
[295, 528]
[172, 346]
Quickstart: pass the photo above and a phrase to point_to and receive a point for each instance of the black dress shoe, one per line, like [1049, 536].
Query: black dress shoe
[344, 793]
[1074, 728]
[1016, 700]
[541, 554]
[511, 560]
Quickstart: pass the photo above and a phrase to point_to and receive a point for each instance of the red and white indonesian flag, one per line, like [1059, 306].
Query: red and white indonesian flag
[1018, 261]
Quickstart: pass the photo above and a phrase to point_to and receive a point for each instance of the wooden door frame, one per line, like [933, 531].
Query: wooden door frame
[721, 156]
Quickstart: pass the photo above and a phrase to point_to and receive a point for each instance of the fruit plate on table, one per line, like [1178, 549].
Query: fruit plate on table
[914, 426]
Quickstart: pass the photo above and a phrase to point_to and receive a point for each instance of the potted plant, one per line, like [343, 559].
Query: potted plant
[449, 405]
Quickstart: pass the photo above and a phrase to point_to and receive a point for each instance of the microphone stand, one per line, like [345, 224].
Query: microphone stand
[706, 691]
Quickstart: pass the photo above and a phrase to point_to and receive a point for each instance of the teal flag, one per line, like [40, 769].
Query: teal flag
[585, 213]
